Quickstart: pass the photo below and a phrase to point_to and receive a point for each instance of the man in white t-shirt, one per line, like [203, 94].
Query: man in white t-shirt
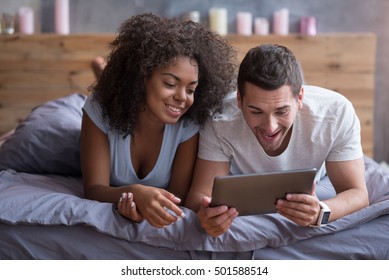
[274, 123]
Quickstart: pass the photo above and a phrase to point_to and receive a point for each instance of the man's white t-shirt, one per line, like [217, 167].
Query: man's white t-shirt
[326, 129]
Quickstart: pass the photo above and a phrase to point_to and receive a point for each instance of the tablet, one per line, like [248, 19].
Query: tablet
[253, 194]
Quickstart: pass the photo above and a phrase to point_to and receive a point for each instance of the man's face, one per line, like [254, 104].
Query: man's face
[270, 115]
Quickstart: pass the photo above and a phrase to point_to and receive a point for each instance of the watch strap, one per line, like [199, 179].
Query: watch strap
[324, 215]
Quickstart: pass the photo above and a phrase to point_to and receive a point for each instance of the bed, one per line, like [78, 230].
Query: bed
[43, 214]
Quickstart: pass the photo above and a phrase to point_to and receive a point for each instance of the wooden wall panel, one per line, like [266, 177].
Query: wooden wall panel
[341, 62]
[37, 68]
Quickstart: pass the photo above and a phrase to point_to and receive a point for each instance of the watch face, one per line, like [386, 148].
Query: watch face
[326, 216]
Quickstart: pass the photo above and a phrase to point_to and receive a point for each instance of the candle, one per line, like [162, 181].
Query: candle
[311, 26]
[62, 16]
[26, 20]
[281, 22]
[261, 26]
[218, 20]
[7, 23]
[194, 16]
[308, 26]
[244, 23]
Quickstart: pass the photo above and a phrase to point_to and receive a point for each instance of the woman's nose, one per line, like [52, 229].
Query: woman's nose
[180, 94]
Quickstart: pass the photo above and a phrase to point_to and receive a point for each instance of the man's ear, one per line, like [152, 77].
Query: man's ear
[300, 98]
[239, 99]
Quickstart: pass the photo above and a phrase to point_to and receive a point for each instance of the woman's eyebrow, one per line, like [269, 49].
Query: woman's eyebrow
[178, 78]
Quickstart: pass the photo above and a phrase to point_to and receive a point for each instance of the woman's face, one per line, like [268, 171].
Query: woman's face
[170, 90]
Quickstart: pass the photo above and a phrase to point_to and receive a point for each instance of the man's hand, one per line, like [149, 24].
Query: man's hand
[303, 209]
[215, 220]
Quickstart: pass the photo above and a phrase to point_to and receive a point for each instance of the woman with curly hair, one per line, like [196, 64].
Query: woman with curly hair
[162, 79]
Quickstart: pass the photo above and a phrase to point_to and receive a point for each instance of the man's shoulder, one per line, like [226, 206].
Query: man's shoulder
[321, 99]
[230, 109]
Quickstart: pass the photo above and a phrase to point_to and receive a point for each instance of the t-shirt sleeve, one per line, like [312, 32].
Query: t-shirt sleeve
[94, 111]
[347, 145]
[210, 147]
[190, 129]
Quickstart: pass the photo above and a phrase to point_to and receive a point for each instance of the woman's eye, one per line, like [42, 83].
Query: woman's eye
[169, 85]
[191, 91]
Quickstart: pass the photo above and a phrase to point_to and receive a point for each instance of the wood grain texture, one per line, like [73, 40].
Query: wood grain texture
[38, 68]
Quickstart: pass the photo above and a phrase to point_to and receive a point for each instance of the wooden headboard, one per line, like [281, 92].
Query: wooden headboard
[37, 68]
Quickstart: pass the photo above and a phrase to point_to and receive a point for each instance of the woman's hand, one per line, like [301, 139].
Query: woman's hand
[156, 205]
[127, 208]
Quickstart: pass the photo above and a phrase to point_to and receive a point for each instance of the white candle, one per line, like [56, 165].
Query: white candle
[218, 20]
[194, 16]
[244, 23]
[261, 26]
[26, 20]
[62, 16]
[281, 22]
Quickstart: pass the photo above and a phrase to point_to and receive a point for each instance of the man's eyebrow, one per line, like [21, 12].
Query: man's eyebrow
[254, 107]
[278, 109]
[178, 78]
[283, 107]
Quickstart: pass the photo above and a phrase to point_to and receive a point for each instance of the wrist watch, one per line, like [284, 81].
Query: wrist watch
[324, 215]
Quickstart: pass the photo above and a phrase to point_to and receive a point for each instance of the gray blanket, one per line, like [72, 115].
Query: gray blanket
[33, 199]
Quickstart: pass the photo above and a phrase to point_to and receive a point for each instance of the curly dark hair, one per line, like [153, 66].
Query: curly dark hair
[147, 42]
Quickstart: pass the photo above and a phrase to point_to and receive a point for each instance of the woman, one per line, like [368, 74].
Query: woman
[162, 80]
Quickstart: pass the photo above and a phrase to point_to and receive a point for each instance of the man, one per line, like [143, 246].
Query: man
[274, 123]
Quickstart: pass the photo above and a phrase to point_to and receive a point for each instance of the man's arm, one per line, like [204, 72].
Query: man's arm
[214, 220]
[348, 179]
[204, 173]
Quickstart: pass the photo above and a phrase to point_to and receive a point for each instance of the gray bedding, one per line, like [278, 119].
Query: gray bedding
[43, 214]
[45, 217]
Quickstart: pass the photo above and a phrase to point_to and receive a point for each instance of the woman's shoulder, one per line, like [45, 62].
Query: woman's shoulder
[94, 111]
[183, 129]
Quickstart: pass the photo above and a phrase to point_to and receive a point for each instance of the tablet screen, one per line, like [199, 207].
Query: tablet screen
[253, 194]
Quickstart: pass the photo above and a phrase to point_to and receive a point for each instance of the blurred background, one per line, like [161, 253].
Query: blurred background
[102, 16]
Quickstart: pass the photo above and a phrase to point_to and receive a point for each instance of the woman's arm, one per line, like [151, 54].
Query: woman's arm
[183, 166]
[135, 201]
[95, 163]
